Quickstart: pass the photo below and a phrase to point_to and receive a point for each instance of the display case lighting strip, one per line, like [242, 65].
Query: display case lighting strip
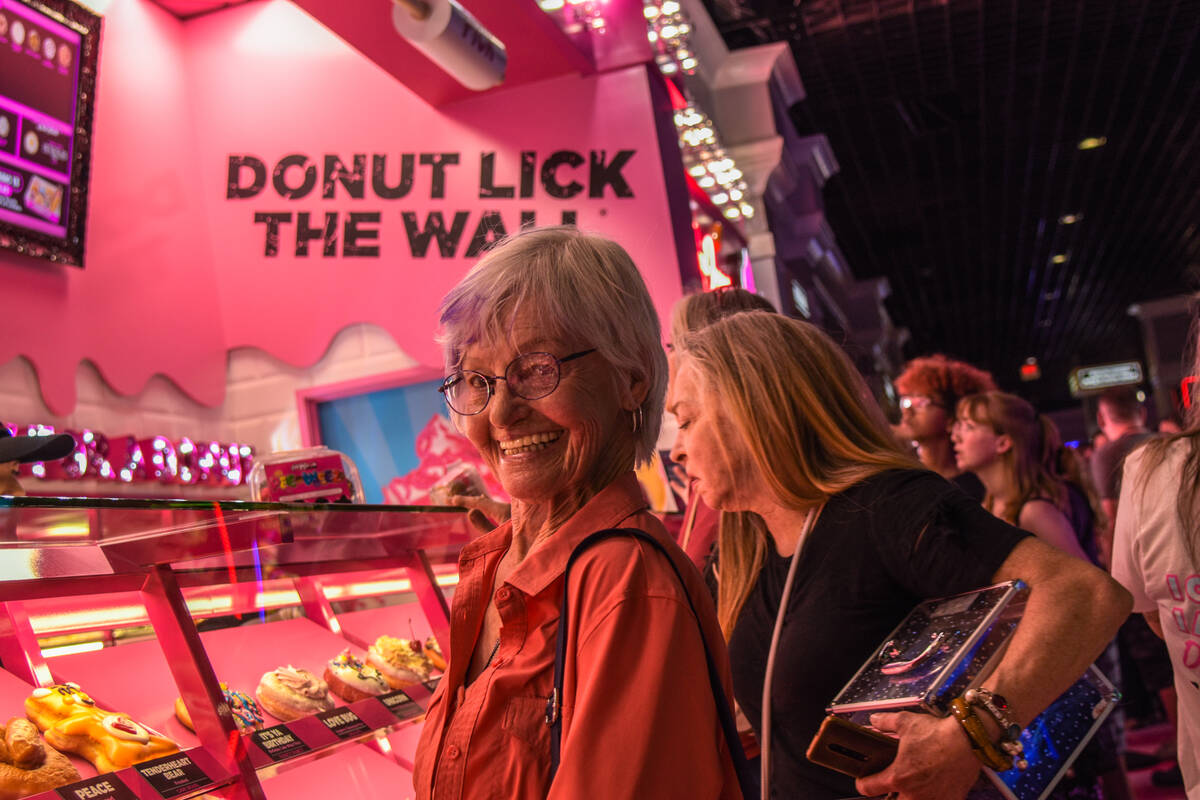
[70, 649]
[209, 605]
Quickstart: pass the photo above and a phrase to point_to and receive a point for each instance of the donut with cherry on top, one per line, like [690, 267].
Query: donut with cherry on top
[401, 662]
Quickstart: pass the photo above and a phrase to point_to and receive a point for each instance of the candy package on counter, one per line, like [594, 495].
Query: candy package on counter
[315, 475]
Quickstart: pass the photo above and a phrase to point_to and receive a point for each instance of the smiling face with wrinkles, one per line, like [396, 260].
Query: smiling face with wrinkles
[570, 443]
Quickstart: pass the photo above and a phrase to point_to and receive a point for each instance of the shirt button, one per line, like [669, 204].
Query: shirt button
[452, 752]
[504, 594]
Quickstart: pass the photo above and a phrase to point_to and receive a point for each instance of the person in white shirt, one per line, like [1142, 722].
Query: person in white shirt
[1156, 556]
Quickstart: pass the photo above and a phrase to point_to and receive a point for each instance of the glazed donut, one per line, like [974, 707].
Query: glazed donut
[434, 654]
[74, 723]
[398, 661]
[27, 764]
[244, 708]
[352, 680]
[288, 693]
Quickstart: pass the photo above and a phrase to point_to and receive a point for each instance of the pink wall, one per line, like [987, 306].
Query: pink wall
[176, 272]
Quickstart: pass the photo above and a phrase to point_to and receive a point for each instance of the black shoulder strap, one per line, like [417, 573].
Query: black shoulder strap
[745, 775]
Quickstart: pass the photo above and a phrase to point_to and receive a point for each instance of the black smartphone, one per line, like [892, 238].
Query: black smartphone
[850, 748]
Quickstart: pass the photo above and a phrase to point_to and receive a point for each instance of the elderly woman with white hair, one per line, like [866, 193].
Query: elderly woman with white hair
[556, 373]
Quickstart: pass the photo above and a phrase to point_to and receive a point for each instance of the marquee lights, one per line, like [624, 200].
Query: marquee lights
[577, 16]
[670, 33]
[128, 459]
[707, 162]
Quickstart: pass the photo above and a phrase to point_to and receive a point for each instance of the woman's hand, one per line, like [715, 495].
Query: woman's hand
[485, 512]
[934, 761]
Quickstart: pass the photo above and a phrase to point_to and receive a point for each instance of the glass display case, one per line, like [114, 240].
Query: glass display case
[230, 591]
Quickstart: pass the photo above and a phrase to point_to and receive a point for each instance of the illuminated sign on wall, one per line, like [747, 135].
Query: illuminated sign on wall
[708, 245]
[1086, 380]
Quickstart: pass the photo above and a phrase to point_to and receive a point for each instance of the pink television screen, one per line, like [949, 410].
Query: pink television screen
[48, 51]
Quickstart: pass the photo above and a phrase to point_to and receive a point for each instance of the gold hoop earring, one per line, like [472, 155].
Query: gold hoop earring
[638, 419]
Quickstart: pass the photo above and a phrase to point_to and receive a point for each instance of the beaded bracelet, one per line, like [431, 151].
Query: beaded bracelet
[997, 707]
[982, 746]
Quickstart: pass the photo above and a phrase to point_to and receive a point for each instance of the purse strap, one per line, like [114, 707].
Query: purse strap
[554, 705]
[769, 676]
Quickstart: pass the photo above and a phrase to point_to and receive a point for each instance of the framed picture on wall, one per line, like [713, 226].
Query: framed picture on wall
[49, 50]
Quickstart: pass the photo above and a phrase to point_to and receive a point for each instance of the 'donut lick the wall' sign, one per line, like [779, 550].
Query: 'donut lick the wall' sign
[368, 205]
[388, 180]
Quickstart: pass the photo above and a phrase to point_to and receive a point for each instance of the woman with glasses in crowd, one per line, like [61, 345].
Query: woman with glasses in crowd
[774, 419]
[556, 373]
[930, 388]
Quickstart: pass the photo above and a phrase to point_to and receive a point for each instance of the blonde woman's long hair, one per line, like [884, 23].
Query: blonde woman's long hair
[807, 418]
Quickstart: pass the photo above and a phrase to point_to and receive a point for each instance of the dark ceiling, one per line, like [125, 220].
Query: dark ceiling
[957, 125]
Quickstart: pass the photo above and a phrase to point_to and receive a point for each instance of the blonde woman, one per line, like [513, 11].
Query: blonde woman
[698, 535]
[774, 420]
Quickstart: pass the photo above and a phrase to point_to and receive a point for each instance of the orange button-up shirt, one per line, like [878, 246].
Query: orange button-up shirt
[638, 715]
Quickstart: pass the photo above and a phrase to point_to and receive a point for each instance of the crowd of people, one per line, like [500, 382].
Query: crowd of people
[606, 665]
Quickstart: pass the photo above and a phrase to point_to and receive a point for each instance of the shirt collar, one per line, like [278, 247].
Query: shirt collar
[497, 539]
[610, 507]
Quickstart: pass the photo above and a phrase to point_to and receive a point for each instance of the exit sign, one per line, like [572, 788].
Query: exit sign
[1088, 380]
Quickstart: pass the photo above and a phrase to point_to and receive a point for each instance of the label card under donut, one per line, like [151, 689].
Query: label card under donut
[344, 723]
[173, 775]
[279, 743]
[400, 704]
[101, 787]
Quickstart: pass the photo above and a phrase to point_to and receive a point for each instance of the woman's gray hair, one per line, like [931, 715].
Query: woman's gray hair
[583, 287]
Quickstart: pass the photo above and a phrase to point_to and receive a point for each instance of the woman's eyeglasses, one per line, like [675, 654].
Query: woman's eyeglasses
[531, 376]
[916, 402]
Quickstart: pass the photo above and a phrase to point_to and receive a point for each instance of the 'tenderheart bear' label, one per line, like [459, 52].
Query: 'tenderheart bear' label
[173, 775]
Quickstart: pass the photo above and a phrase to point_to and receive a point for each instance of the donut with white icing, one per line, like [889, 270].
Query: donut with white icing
[351, 679]
[288, 693]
